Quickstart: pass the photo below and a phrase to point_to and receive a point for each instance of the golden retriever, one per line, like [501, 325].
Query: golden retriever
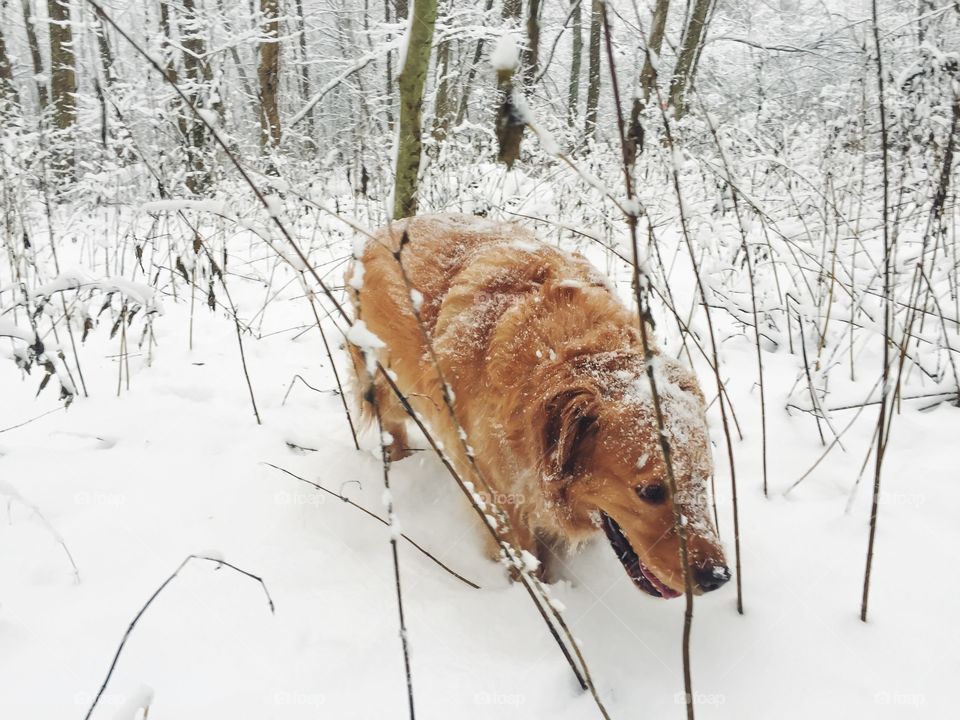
[546, 371]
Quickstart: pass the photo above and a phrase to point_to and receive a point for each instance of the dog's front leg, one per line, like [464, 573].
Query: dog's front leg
[522, 539]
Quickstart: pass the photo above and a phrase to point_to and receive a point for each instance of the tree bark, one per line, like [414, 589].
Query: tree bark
[472, 72]
[648, 80]
[577, 51]
[509, 124]
[442, 105]
[43, 96]
[63, 74]
[923, 7]
[198, 76]
[268, 74]
[689, 57]
[167, 31]
[103, 47]
[593, 72]
[304, 75]
[658, 24]
[412, 79]
[248, 91]
[388, 94]
[531, 56]
[169, 65]
[63, 84]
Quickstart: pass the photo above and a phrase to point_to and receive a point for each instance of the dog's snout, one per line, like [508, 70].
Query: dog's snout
[711, 577]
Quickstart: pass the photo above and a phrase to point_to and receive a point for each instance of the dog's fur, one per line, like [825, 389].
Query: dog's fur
[548, 378]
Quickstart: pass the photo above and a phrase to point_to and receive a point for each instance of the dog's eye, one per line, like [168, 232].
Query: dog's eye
[652, 493]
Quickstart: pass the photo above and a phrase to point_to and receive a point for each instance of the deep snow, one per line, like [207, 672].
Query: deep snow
[176, 466]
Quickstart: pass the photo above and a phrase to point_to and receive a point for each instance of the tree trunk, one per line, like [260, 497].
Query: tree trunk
[472, 72]
[531, 56]
[577, 51]
[198, 77]
[63, 74]
[304, 75]
[648, 80]
[249, 94]
[35, 56]
[658, 24]
[923, 8]
[169, 66]
[63, 82]
[442, 105]
[686, 69]
[509, 123]
[593, 73]
[412, 78]
[167, 31]
[510, 10]
[103, 47]
[8, 90]
[389, 87]
[268, 74]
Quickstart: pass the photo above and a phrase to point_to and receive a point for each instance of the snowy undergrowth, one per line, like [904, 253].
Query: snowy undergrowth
[175, 465]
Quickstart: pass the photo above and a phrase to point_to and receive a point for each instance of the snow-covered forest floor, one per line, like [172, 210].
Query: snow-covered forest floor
[187, 528]
[163, 457]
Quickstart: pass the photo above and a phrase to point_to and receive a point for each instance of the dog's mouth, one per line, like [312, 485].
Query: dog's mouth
[642, 576]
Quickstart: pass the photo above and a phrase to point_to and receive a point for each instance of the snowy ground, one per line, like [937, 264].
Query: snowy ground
[175, 466]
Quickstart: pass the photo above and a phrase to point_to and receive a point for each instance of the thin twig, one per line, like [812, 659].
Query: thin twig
[643, 309]
[882, 421]
[394, 527]
[379, 519]
[136, 618]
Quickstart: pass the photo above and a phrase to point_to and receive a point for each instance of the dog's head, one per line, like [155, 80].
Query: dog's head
[603, 466]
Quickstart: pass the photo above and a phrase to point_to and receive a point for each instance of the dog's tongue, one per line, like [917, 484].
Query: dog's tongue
[665, 592]
[641, 575]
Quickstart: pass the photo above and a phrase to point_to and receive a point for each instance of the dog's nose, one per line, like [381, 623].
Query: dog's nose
[711, 577]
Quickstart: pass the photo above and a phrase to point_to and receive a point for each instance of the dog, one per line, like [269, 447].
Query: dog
[545, 372]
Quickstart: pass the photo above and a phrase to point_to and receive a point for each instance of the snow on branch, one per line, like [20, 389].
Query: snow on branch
[35, 352]
[142, 296]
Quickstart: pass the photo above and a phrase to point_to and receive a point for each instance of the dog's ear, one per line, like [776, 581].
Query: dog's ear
[570, 423]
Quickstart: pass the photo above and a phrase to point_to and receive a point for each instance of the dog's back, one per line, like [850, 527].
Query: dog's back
[494, 307]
